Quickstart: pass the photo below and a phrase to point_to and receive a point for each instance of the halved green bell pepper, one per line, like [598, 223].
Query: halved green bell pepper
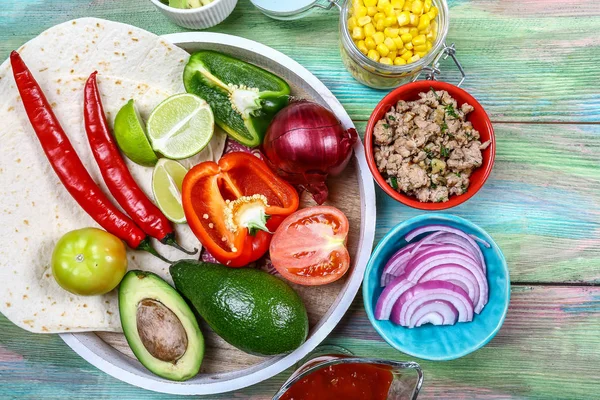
[244, 98]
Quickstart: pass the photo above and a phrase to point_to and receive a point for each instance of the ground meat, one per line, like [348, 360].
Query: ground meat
[426, 148]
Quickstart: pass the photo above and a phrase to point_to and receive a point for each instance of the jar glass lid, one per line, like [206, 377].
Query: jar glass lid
[289, 9]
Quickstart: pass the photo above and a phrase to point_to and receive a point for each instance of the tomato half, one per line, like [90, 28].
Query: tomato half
[309, 248]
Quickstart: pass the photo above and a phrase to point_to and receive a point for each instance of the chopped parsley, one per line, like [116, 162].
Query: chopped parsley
[464, 189]
[444, 127]
[444, 151]
[433, 185]
[469, 136]
[458, 174]
[391, 118]
[434, 93]
[386, 126]
[428, 152]
[440, 200]
[451, 111]
[394, 182]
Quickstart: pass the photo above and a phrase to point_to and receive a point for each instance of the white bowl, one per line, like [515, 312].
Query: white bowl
[109, 359]
[198, 18]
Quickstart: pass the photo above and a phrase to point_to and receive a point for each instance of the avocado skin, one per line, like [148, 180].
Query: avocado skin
[250, 309]
[138, 285]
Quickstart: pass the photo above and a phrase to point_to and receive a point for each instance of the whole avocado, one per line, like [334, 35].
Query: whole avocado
[250, 309]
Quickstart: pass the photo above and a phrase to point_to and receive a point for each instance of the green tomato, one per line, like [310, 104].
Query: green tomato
[89, 261]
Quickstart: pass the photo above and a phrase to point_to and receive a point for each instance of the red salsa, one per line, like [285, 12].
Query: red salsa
[353, 381]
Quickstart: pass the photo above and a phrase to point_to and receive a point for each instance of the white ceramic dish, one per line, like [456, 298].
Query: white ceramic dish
[108, 359]
[198, 18]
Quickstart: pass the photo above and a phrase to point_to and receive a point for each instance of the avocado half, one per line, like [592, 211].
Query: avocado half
[160, 327]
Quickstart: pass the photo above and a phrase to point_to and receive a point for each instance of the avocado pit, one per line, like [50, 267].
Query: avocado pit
[160, 331]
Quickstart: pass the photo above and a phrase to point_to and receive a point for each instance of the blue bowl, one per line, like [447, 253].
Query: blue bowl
[440, 342]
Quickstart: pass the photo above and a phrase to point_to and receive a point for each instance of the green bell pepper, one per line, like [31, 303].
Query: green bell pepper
[244, 98]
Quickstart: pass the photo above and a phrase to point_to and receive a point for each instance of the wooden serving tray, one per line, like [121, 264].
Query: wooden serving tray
[226, 368]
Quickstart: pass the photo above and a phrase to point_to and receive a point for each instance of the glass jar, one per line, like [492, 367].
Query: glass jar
[362, 68]
[407, 377]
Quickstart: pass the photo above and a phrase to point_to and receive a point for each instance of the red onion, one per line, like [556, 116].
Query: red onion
[232, 146]
[425, 292]
[436, 312]
[435, 228]
[305, 143]
[446, 255]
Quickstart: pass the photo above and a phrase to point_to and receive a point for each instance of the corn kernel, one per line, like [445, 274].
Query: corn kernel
[391, 32]
[414, 32]
[357, 3]
[423, 22]
[392, 54]
[426, 30]
[433, 12]
[414, 19]
[407, 5]
[417, 7]
[379, 37]
[398, 42]
[429, 45]
[406, 38]
[352, 23]
[371, 11]
[421, 54]
[389, 21]
[422, 47]
[380, 25]
[419, 40]
[389, 11]
[414, 58]
[358, 33]
[362, 47]
[399, 61]
[385, 60]
[378, 16]
[406, 56]
[373, 55]
[383, 49]
[370, 3]
[362, 21]
[360, 11]
[382, 3]
[403, 18]
[402, 51]
[398, 4]
[403, 30]
[370, 43]
[389, 43]
[369, 29]
[408, 46]
[426, 5]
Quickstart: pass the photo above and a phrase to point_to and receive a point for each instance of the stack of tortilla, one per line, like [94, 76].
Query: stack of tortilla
[35, 207]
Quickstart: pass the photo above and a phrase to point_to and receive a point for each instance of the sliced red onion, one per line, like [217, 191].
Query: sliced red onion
[435, 228]
[437, 312]
[396, 264]
[422, 293]
[451, 238]
[483, 242]
[433, 318]
[464, 278]
[389, 297]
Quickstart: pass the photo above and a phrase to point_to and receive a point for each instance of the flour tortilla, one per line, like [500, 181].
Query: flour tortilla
[35, 207]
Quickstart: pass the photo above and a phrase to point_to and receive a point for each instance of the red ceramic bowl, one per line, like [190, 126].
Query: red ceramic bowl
[479, 119]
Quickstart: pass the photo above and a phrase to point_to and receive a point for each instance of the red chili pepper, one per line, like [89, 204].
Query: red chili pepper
[68, 166]
[117, 177]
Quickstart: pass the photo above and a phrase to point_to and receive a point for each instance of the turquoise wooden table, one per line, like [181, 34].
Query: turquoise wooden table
[533, 64]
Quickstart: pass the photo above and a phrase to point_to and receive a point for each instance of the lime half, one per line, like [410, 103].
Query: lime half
[131, 136]
[167, 180]
[181, 126]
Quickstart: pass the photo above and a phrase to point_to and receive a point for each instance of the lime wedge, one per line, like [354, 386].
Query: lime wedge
[167, 180]
[181, 126]
[131, 136]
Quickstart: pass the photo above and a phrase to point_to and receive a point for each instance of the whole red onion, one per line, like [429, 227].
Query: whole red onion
[305, 143]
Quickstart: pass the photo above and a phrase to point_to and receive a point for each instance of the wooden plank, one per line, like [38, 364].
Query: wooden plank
[527, 60]
[547, 348]
[541, 203]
